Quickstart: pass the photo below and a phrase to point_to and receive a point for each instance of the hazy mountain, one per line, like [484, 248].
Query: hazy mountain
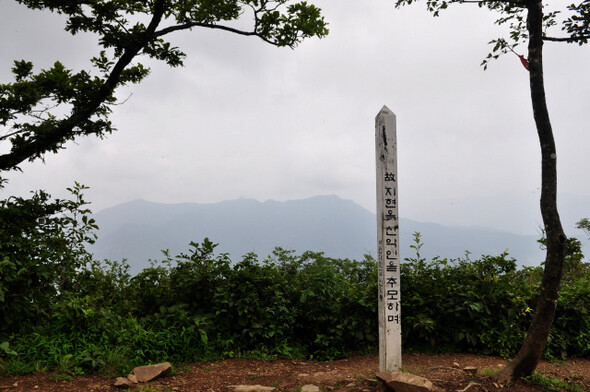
[516, 212]
[139, 230]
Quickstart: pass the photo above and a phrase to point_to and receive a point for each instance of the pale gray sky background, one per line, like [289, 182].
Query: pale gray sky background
[245, 119]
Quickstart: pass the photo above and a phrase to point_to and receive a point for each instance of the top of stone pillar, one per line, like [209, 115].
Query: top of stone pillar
[385, 112]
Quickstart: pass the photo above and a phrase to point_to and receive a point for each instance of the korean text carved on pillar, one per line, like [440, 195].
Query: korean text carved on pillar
[388, 242]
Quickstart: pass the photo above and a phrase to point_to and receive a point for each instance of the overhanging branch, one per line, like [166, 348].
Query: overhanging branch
[66, 129]
[578, 38]
[186, 26]
[514, 2]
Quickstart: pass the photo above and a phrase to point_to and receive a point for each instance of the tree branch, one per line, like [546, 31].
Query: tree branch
[578, 38]
[190, 25]
[53, 139]
[515, 2]
[90, 98]
[9, 135]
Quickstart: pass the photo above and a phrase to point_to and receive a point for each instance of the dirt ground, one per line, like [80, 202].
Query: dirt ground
[355, 374]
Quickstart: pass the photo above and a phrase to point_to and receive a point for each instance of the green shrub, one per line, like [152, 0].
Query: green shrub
[62, 310]
[41, 251]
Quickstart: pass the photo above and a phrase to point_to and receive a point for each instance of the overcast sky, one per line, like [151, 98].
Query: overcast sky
[245, 119]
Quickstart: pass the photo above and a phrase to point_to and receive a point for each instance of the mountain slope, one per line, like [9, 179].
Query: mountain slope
[139, 230]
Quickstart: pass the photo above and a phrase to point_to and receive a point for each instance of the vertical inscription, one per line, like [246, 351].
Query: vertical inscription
[388, 242]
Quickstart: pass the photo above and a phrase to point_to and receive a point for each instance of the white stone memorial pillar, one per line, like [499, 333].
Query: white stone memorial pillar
[390, 347]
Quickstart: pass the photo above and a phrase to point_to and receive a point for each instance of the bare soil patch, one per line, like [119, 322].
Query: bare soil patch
[355, 374]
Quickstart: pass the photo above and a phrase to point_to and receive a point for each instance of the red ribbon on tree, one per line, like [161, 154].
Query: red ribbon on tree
[524, 61]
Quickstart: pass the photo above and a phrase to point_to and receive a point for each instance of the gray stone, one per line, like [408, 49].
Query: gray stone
[143, 374]
[132, 378]
[470, 369]
[406, 382]
[251, 388]
[148, 373]
[123, 382]
[310, 388]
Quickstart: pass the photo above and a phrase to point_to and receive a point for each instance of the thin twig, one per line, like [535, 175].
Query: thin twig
[468, 386]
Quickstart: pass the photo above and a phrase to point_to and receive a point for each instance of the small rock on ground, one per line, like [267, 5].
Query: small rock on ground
[251, 388]
[310, 388]
[406, 382]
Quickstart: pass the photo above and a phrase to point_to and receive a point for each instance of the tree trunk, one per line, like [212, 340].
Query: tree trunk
[525, 362]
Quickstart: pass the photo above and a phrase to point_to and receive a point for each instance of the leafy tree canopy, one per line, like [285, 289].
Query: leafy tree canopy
[584, 224]
[562, 22]
[32, 107]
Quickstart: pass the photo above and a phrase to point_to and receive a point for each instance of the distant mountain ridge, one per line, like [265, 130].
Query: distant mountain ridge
[139, 230]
